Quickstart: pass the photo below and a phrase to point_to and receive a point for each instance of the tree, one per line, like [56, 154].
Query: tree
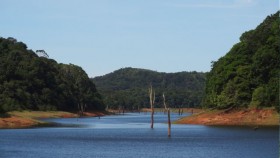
[30, 82]
[152, 95]
[132, 83]
[248, 74]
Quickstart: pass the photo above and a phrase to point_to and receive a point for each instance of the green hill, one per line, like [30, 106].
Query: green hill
[248, 75]
[28, 81]
[128, 87]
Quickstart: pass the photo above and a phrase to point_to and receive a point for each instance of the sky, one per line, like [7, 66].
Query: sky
[102, 36]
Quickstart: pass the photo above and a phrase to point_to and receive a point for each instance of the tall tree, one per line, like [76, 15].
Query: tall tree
[247, 76]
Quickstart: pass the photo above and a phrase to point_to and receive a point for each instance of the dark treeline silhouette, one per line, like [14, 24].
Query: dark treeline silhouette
[28, 81]
[129, 87]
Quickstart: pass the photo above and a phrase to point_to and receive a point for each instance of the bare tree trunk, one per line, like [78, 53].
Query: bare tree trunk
[82, 112]
[165, 107]
[119, 110]
[78, 112]
[82, 109]
[152, 102]
[181, 110]
[152, 118]
[169, 123]
[168, 116]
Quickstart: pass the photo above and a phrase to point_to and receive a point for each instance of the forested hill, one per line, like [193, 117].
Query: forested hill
[248, 75]
[28, 81]
[128, 87]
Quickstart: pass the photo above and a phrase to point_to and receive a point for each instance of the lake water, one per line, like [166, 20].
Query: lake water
[130, 136]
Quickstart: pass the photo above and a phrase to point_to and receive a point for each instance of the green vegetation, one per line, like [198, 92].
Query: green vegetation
[248, 75]
[128, 87]
[38, 83]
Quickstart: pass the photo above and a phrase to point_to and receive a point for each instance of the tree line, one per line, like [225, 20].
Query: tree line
[28, 81]
[128, 88]
[248, 75]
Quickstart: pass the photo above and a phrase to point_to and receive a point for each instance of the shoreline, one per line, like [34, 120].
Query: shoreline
[174, 110]
[31, 119]
[240, 117]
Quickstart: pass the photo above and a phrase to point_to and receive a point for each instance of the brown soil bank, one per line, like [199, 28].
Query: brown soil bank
[26, 119]
[245, 117]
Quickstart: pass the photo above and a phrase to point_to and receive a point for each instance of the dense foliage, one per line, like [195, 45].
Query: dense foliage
[128, 87]
[37, 83]
[248, 75]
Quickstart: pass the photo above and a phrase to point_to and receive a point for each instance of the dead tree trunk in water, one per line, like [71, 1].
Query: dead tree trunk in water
[168, 116]
[181, 110]
[165, 107]
[81, 109]
[152, 118]
[119, 110]
[169, 123]
[152, 102]
[78, 113]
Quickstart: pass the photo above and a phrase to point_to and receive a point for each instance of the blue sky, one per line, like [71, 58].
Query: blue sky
[104, 35]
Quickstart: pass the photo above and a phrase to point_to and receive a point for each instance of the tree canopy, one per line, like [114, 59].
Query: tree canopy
[128, 87]
[28, 81]
[248, 75]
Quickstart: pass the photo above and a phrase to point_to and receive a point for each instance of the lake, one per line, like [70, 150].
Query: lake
[130, 136]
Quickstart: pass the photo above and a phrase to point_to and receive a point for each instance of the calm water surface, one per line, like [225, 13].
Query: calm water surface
[130, 136]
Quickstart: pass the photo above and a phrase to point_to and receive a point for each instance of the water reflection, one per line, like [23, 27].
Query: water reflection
[130, 136]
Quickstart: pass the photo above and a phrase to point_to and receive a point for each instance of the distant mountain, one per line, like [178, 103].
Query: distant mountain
[30, 82]
[248, 75]
[129, 87]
